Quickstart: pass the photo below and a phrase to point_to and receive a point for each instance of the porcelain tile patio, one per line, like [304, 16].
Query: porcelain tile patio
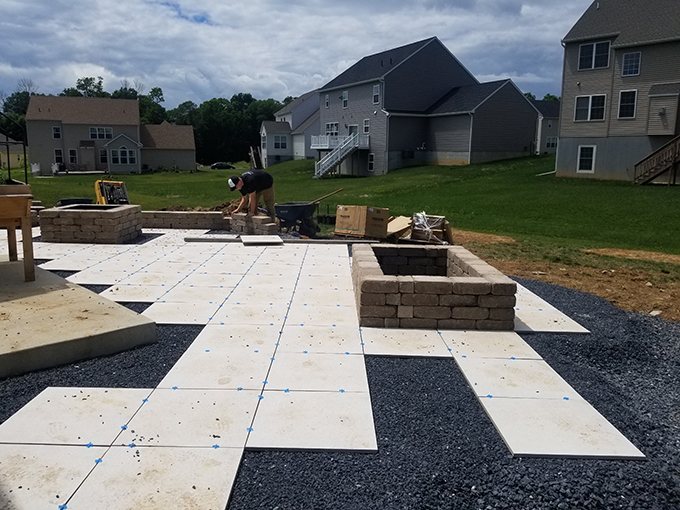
[488, 344]
[322, 315]
[320, 339]
[126, 293]
[300, 371]
[181, 313]
[403, 342]
[533, 314]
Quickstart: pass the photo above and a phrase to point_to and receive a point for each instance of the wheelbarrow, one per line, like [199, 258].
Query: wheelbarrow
[299, 216]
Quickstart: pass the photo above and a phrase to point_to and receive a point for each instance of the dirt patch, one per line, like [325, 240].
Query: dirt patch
[637, 255]
[225, 207]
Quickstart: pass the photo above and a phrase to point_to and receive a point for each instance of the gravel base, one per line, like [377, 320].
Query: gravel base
[436, 446]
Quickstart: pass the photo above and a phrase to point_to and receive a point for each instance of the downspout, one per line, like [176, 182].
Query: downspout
[472, 119]
[539, 134]
[386, 155]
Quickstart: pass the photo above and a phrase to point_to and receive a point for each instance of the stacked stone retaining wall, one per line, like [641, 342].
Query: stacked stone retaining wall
[212, 220]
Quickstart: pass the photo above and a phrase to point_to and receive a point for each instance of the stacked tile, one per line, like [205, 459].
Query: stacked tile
[472, 295]
[114, 226]
[241, 223]
[213, 220]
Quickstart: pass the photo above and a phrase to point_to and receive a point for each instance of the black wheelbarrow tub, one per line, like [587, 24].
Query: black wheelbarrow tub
[294, 211]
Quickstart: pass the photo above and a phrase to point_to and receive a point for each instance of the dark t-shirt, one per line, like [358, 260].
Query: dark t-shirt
[256, 180]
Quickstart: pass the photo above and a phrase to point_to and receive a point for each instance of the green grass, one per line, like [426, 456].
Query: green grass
[557, 217]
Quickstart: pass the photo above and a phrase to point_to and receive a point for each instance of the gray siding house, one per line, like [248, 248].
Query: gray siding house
[414, 105]
[290, 135]
[102, 134]
[548, 126]
[620, 90]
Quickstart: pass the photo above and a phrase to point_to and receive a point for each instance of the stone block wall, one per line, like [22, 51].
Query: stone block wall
[212, 220]
[241, 223]
[75, 224]
[470, 294]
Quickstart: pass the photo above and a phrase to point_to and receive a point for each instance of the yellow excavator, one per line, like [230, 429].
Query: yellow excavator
[111, 192]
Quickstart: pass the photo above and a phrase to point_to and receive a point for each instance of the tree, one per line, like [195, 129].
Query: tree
[288, 99]
[88, 87]
[17, 103]
[185, 114]
[27, 85]
[550, 97]
[125, 91]
[529, 96]
[150, 109]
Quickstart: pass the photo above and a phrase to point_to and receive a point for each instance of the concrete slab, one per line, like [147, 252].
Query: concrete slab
[51, 322]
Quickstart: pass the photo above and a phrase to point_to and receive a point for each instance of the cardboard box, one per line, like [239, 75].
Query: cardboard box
[362, 221]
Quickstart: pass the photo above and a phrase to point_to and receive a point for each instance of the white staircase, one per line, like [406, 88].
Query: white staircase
[336, 156]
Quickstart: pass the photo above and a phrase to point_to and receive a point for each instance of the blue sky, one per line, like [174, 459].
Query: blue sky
[196, 50]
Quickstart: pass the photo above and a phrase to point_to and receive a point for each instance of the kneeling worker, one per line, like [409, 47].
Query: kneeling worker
[256, 184]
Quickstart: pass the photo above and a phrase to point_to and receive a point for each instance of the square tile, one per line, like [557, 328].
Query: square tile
[557, 428]
[403, 342]
[488, 344]
[94, 276]
[314, 421]
[177, 268]
[192, 418]
[267, 313]
[306, 296]
[261, 294]
[158, 478]
[144, 277]
[122, 293]
[75, 416]
[207, 279]
[247, 336]
[322, 315]
[320, 339]
[300, 371]
[517, 378]
[533, 314]
[183, 293]
[43, 476]
[181, 313]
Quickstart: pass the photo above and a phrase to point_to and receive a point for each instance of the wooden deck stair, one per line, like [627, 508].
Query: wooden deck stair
[664, 159]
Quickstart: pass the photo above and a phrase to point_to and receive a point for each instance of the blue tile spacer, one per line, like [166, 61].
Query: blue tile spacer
[463, 356]
[207, 350]
[565, 398]
[123, 427]
[287, 390]
[250, 429]
[260, 397]
[215, 446]
[264, 382]
[62, 507]
[489, 396]
[98, 461]
[175, 388]
[239, 389]
[89, 445]
[342, 391]
[347, 353]
[512, 357]
[131, 445]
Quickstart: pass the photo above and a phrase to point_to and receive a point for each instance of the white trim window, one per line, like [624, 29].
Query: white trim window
[56, 132]
[631, 64]
[371, 162]
[376, 94]
[367, 126]
[58, 156]
[103, 156]
[328, 100]
[264, 142]
[101, 133]
[593, 56]
[551, 142]
[73, 156]
[589, 108]
[280, 142]
[586, 159]
[627, 104]
[345, 98]
[123, 156]
[331, 128]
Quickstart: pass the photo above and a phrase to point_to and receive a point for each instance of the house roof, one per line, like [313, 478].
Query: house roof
[312, 118]
[630, 22]
[664, 89]
[293, 104]
[84, 110]
[167, 136]
[465, 99]
[374, 67]
[547, 108]
[271, 126]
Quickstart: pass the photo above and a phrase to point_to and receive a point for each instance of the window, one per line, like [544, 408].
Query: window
[123, 156]
[376, 94]
[264, 142]
[73, 156]
[56, 132]
[589, 108]
[551, 142]
[593, 56]
[103, 158]
[550, 123]
[332, 128]
[586, 159]
[371, 162]
[58, 156]
[101, 133]
[367, 126]
[280, 142]
[345, 99]
[328, 100]
[631, 64]
[627, 102]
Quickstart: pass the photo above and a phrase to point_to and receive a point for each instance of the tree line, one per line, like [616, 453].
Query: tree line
[224, 129]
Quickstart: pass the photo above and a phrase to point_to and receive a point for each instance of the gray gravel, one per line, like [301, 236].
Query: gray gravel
[437, 448]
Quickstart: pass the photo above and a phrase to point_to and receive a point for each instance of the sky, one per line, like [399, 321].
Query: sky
[196, 50]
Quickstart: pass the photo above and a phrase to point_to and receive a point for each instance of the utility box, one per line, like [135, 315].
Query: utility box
[362, 221]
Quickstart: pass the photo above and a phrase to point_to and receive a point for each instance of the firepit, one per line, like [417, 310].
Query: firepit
[91, 223]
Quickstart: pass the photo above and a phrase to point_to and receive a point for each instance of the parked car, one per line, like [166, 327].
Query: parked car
[222, 165]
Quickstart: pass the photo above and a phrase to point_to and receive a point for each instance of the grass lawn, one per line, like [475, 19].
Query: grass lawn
[504, 197]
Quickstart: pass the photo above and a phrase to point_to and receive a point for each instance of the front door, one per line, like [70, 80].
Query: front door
[353, 129]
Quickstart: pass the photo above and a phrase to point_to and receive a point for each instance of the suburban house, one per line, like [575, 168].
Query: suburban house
[102, 134]
[415, 105]
[548, 126]
[620, 90]
[290, 135]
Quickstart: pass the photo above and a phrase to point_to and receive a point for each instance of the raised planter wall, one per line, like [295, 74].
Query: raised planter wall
[103, 224]
[432, 287]
[212, 220]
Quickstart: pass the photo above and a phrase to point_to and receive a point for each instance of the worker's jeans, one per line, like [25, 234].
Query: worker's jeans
[268, 197]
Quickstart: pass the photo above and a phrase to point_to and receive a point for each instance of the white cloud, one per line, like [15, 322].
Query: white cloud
[199, 49]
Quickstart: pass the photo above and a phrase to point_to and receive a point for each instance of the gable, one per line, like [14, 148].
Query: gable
[84, 110]
[167, 136]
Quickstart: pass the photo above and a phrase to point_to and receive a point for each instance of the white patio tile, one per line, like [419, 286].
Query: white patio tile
[125, 293]
[75, 416]
[300, 371]
[322, 315]
[314, 421]
[518, 378]
[181, 313]
[246, 314]
[260, 240]
[264, 337]
[136, 478]
[327, 282]
[533, 314]
[183, 293]
[105, 276]
[488, 344]
[70, 263]
[557, 428]
[43, 476]
[320, 339]
[229, 364]
[176, 268]
[192, 418]
[220, 265]
[207, 279]
[256, 294]
[304, 295]
[147, 278]
[403, 342]
[282, 281]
